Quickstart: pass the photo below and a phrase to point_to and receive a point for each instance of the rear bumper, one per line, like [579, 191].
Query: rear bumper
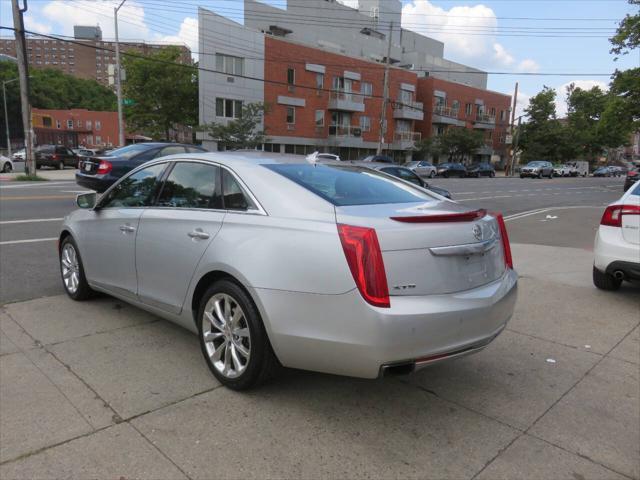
[342, 334]
[631, 270]
[611, 250]
[99, 183]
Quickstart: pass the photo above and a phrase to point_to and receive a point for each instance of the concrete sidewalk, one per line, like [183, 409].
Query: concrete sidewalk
[103, 390]
[49, 174]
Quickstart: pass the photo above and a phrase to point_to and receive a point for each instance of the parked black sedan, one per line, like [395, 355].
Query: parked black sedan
[447, 170]
[408, 175]
[481, 170]
[100, 172]
[57, 156]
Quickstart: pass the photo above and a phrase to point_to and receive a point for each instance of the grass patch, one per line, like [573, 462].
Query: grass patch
[31, 178]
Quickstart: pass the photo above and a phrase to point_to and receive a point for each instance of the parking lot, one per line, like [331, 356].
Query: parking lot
[103, 390]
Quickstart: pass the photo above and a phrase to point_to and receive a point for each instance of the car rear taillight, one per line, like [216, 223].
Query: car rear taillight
[104, 167]
[506, 246]
[54, 156]
[444, 218]
[612, 216]
[632, 173]
[364, 257]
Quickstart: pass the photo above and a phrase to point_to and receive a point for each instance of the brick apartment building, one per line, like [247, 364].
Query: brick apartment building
[88, 56]
[76, 127]
[324, 86]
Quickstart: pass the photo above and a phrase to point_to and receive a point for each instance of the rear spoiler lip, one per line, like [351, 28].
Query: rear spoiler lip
[444, 218]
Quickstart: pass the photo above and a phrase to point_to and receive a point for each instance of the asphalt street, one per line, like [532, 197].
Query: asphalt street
[31, 213]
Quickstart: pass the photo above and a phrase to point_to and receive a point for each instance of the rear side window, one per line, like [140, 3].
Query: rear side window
[137, 190]
[233, 195]
[350, 185]
[172, 150]
[191, 185]
[636, 191]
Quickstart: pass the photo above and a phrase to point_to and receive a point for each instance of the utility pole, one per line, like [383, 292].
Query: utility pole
[385, 94]
[513, 118]
[119, 79]
[6, 115]
[516, 138]
[23, 73]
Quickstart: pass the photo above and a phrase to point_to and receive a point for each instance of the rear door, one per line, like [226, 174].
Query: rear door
[175, 232]
[108, 245]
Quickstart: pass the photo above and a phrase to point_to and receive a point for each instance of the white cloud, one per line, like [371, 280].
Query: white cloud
[449, 26]
[131, 24]
[528, 65]
[35, 26]
[522, 103]
[188, 34]
[561, 93]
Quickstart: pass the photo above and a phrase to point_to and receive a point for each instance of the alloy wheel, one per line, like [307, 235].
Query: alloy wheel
[226, 335]
[70, 268]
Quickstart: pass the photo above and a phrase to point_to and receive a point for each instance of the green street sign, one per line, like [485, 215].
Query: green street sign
[127, 102]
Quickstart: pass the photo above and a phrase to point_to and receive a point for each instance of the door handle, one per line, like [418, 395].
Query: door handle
[198, 234]
[127, 228]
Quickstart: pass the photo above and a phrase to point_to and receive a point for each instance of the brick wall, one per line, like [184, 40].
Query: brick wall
[89, 133]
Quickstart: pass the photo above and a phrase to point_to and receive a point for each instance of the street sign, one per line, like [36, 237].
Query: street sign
[128, 102]
[508, 140]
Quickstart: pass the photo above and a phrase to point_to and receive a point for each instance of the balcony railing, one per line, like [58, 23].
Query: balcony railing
[345, 131]
[354, 97]
[407, 136]
[485, 118]
[408, 110]
[446, 111]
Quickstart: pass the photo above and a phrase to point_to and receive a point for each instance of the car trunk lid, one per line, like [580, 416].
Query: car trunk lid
[432, 248]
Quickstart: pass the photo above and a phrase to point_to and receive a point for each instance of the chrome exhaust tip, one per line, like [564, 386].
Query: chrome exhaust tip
[618, 275]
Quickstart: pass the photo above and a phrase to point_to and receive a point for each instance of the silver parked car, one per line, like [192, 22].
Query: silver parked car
[276, 261]
[422, 168]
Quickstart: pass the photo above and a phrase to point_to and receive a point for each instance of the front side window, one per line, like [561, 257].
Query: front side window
[233, 196]
[191, 185]
[350, 185]
[136, 190]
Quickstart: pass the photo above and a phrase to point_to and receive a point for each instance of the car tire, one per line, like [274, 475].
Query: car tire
[521, 176]
[38, 167]
[539, 174]
[72, 271]
[432, 174]
[224, 347]
[604, 281]
[60, 165]
[492, 174]
[445, 174]
[6, 168]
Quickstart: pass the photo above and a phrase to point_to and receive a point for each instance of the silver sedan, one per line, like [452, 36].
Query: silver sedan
[275, 261]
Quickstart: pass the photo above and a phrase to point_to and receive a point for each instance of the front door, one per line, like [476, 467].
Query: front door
[174, 233]
[109, 245]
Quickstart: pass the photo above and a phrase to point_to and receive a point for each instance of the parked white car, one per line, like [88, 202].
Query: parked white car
[422, 168]
[562, 171]
[6, 164]
[318, 157]
[617, 245]
[19, 155]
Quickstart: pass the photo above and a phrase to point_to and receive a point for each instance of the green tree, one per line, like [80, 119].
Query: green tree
[459, 143]
[164, 92]
[51, 89]
[540, 138]
[243, 132]
[426, 147]
[627, 35]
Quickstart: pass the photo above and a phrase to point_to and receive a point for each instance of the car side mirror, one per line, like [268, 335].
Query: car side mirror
[87, 200]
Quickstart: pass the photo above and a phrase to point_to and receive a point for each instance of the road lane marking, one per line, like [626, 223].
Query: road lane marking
[517, 216]
[31, 220]
[484, 198]
[38, 184]
[30, 240]
[37, 197]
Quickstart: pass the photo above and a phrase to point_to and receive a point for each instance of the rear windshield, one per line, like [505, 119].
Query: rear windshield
[350, 185]
[129, 151]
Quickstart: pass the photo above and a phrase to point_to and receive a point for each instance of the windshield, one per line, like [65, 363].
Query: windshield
[350, 185]
[535, 164]
[128, 151]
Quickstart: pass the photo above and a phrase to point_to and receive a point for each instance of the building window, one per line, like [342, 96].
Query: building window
[291, 115]
[229, 64]
[79, 123]
[493, 111]
[291, 76]
[98, 140]
[69, 123]
[455, 105]
[365, 123]
[46, 122]
[98, 124]
[88, 125]
[366, 88]
[319, 81]
[502, 115]
[228, 108]
[439, 130]
[468, 109]
[58, 124]
[89, 139]
[319, 118]
[489, 135]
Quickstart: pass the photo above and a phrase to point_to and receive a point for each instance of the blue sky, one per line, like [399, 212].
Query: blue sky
[177, 21]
